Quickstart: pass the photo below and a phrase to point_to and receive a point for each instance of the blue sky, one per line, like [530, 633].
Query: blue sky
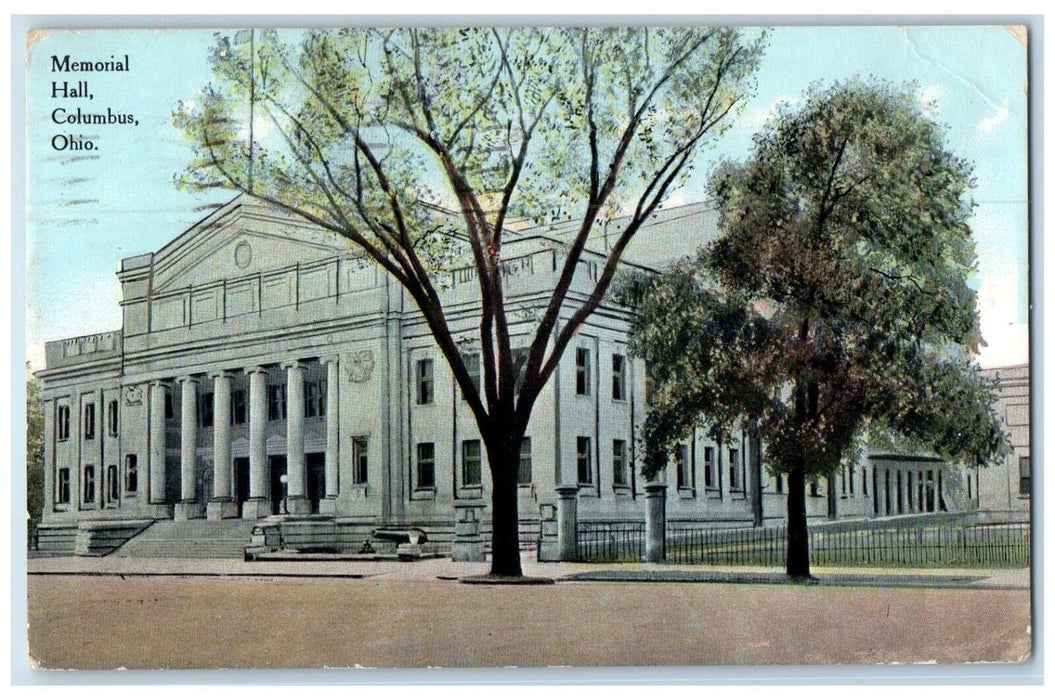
[85, 214]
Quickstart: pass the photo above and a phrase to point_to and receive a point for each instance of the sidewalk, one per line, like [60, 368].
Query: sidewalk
[564, 572]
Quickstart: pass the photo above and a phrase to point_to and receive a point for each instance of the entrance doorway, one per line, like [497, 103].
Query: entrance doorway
[241, 480]
[278, 470]
[316, 465]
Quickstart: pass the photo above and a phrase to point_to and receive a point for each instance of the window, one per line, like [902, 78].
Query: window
[1023, 476]
[681, 454]
[520, 358]
[864, 480]
[205, 408]
[582, 371]
[62, 486]
[471, 360]
[89, 421]
[850, 478]
[131, 474]
[111, 418]
[843, 475]
[900, 495]
[650, 390]
[470, 462]
[815, 488]
[315, 398]
[618, 378]
[62, 425]
[911, 499]
[910, 487]
[734, 470]
[619, 463]
[425, 382]
[524, 467]
[584, 460]
[238, 407]
[780, 483]
[426, 465]
[360, 460]
[276, 401]
[113, 484]
[708, 467]
[89, 484]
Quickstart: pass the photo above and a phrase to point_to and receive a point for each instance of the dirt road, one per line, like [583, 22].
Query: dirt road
[106, 622]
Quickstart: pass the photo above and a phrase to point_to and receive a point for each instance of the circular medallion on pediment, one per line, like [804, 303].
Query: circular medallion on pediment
[243, 255]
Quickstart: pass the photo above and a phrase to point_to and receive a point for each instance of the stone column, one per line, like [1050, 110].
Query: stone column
[568, 522]
[100, 457]
[297, 501]
[188, 506]
[259, 503]
[333, 438]
[50, 415]
[655, 523]
[158, 505]
[221, 504]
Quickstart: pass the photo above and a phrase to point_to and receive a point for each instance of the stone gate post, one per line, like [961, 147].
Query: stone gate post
[655, 523]
[568, 522]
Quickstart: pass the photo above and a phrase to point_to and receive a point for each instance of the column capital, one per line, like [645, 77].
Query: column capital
[255, 369]
[292, 364]
[166, 383]
[221, 374]
[187, 378]
[329, 359]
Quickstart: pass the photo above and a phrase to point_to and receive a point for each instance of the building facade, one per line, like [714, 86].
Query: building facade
[263, 368]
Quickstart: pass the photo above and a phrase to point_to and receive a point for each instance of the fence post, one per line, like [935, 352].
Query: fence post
[548, 537]
[655, 522]
[568, 523]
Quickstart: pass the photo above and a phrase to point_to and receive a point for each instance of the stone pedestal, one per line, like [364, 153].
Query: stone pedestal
[568, 523]
[468, 545]
[256, 508]
[188, 510]
[548, 541]
[328, 505]
[408, 552]
[298, 505]
[158, 511]
[221, 509]
[655, 523]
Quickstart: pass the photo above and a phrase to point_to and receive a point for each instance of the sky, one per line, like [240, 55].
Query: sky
[87, 210]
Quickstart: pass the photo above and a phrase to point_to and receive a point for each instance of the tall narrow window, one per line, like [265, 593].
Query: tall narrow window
[425, 382]
[238, 407]
[520, 358]
[315, 398]
[111, 418]
[734, 470]
[618, 378]
[681, 453]
[471, 360]
[131, 474]
[360, 463]
[968, 486]
[89, 421]
[584, 460]
[113, 484]
[276, 402]
[708, 467]
[815, 488]
[864, 480]
[426, 465]
[470, 462]
[1024, 480]
[205, 409]
[909, 491]
[89, 484]
[62, 424]
[582, 371]
[62, 486]
[900, 496]
[619, 475]
[524, 467]
[780, 483]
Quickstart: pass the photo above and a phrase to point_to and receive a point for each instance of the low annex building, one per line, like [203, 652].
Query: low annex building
[265, 368]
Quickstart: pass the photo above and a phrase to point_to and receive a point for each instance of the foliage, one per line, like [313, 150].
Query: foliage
[34, 450]
[365, 131]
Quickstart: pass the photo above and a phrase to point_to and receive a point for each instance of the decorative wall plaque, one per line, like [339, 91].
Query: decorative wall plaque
[361, 366]
[134, 395]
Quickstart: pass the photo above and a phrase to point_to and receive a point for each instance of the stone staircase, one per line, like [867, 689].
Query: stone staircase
[197, 539]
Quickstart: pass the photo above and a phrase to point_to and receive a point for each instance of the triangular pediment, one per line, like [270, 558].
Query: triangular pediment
[243, 238]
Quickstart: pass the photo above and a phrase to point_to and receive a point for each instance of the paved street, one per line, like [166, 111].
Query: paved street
[230, 614]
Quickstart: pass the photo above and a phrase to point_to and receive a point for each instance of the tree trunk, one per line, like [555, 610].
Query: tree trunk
[798, 555]
[504, 458]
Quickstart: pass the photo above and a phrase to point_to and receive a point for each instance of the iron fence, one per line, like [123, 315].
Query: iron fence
[615, 541]
[938, 546]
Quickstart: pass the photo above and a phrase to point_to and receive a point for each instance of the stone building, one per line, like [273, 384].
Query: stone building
[1004, 489]
[264, 368]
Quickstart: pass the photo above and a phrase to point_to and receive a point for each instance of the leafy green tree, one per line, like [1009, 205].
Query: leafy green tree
[34, 452]
[834, 299]
[362, 131]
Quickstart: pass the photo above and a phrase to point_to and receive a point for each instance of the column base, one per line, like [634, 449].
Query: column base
[159, 511]
[188, 510]
[328, 506]
[549, 549]
[221, 509]
[256, 508]
[468, 550]
[298, 505]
